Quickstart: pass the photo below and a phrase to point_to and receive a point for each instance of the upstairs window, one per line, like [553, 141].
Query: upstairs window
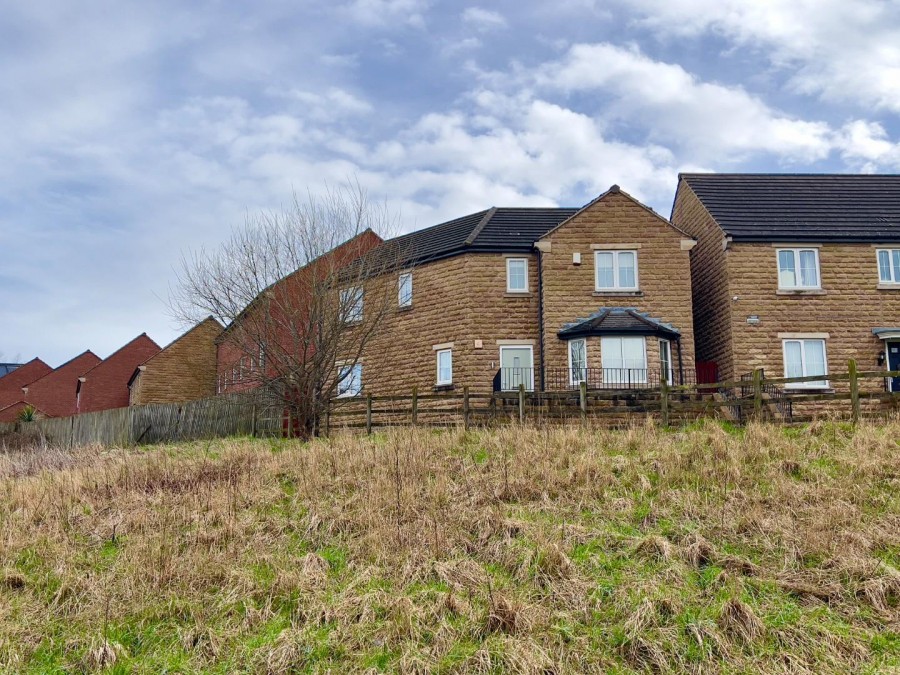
[352, 304]
[616, 270]
[803, 358]
[516, 275]
[445, 366]
[404, 290]
[889, 265]
[798, 268]
[349, 380]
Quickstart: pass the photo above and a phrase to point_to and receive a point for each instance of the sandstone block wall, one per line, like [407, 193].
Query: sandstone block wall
[709, 282]
[185, 370]
[664, 277]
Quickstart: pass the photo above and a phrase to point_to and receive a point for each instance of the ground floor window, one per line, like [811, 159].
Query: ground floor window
[444, 366]
[665, 361]
[805, 358]
[624, 360]
[577, 361]
[350, 380]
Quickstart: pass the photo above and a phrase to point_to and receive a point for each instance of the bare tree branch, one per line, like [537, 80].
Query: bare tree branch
[301, 291]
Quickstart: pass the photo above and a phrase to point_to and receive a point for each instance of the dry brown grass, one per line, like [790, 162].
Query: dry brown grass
[535, 550]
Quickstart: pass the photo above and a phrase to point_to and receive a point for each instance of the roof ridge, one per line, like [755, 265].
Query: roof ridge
[131, 341]
[63, 365]
[480, 226]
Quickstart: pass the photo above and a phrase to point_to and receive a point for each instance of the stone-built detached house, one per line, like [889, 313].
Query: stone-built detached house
[794, 274]
[184, 370]
[541, 297]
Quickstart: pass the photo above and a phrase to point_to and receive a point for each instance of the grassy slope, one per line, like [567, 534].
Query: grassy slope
[706, 549]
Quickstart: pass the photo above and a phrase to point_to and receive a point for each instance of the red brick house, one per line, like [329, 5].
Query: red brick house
[12, 383]
[54, 393]
[105, 385]
[240, 353]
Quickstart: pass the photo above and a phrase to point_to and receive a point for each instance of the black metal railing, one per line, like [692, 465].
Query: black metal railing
[509, 379]
[774, 395]
[559, 379]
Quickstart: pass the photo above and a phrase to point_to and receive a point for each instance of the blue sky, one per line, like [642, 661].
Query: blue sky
[133, 131]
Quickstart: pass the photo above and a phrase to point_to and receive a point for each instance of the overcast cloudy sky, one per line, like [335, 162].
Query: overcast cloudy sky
[131, 131]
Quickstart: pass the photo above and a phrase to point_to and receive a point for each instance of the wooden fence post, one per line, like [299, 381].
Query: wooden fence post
[415, 406]
[369, 414]
[521, 404]
[466, 409]
[253, 421]
[854, 391]
[328, 418]
[664, 400]
[757, 394]
[582, 399]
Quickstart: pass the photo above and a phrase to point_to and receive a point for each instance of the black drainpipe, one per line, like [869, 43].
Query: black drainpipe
[540, 290]
[680, 362]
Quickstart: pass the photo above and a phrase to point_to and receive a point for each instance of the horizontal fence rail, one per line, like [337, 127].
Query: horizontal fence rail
[752, 396]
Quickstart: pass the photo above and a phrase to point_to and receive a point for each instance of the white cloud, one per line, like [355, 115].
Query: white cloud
[838, 50]
[706, 120]
[866, 147]
[483, 19]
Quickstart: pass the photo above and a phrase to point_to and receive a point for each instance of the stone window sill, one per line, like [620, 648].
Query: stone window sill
[444, 387]
[618, 294]
[808, 390]
[404, 308]
[800, 291]
[888, 287]
[518, 294]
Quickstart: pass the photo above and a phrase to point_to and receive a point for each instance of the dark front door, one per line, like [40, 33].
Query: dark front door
[893, 350]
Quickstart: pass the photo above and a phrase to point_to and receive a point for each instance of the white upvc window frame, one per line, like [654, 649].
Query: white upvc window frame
[573, 380]
[509, 263]
[441, 382]
[642, 378]
[670, 372]
[893, 266]
[349, 368]
[795, 252]
[352, 313]
[817, 384]
[404, 301]
[616, 253]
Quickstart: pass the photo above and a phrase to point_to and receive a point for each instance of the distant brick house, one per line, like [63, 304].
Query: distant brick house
[241, 353]
[105, 385]
[794, 274]
[540, 297]
[184, 370]
[54, 393]
[11, 383]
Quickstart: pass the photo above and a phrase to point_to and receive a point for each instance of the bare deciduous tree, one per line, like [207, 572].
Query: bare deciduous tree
[296, 290]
